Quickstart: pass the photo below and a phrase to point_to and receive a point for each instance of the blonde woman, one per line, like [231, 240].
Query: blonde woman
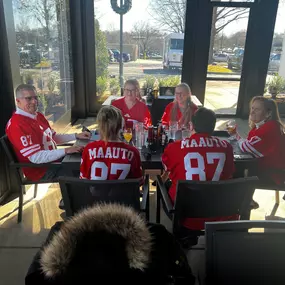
[181, 109]
[109, 158]
[131, 106]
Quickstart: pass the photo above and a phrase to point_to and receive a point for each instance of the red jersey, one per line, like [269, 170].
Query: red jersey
[266, 142]
[28, 136]
[200, 157]
[166, 117]
[138, 112]
[110, 161]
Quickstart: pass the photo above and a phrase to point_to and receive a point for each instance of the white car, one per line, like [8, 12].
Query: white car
[220, 57]
[274, 62]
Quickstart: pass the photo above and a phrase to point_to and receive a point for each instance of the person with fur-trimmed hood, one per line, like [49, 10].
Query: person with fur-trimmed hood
[109, 244]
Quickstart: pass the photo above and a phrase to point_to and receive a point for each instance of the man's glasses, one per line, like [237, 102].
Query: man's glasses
[130, 91]
[30, 98]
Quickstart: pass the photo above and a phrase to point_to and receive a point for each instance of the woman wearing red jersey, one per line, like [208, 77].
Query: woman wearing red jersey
[181, 109]
[109, 158]
[132, 108]
[265, 140]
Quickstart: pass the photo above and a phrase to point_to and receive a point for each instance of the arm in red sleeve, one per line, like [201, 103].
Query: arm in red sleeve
[166, 115]
[147, 117]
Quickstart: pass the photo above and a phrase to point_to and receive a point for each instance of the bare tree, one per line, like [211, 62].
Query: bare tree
[43, 11]
[146, 35]
[170, 16]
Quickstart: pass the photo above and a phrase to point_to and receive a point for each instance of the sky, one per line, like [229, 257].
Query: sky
[109, 20]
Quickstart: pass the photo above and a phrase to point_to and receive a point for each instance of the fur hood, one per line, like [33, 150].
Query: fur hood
[109, 218]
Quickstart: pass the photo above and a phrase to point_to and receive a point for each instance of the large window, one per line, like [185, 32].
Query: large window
[153, 39]
[44, 50]
[227, 44]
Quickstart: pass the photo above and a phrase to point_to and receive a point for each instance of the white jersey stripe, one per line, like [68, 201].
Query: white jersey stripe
[244, 148]
[28, 148]
[253, 150]
[32, 151]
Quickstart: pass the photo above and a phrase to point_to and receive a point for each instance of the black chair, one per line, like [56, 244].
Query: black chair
[16, 167]
[235, 255]
[265, 185]
[206, 199]
[157, 109]
[81, 193]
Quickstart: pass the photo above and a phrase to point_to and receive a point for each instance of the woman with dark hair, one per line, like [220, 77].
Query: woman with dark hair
[132, 108]
[181, 109]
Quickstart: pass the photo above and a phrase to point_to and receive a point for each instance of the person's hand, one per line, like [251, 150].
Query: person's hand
[74, 149]
[83, 136]
[232, 128]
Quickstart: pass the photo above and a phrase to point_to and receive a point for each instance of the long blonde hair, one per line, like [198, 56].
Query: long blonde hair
[110, 122]
[187, 114]
[270, 106]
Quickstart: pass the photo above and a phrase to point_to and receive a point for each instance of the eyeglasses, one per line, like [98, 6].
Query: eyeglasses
[30, 98]
[130, 91]
[180, 94]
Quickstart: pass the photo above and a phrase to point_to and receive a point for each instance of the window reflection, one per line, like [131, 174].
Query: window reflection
[44, 49]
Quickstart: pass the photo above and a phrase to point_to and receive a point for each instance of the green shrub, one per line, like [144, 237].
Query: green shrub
[53, 81]
[169, 81]
[43, 102]
[150, 82]
[101, 85]
[114, 86]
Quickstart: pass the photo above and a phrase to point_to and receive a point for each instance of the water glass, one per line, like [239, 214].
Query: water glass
[140, 140]
[173, 128]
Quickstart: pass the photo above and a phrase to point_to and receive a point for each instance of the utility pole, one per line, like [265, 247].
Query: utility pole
[121, 71]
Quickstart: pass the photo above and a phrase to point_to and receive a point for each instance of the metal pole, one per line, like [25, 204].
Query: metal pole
[121, 48]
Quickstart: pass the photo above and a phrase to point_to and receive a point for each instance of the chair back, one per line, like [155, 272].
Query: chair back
[81, 193]
[8, 149]
[10, 154]
[157, 109]
[236, 255]
[206, 199]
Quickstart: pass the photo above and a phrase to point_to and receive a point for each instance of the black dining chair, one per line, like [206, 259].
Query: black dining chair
[81, 193]
[245, 252]
[16, 167]
[206, 199]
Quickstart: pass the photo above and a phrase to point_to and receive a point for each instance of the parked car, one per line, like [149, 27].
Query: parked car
[126, 56]
[274, 62]
[111, 56]
[220, 57]
[235, 61]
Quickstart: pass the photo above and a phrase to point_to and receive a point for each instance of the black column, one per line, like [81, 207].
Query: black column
[9, 73]
[257, 52]
[199, 15]
[83, 56]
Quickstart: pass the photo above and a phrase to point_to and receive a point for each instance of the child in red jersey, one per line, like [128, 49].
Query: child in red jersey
[109, 158]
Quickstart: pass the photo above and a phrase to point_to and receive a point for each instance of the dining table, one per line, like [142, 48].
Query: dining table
[243, 161]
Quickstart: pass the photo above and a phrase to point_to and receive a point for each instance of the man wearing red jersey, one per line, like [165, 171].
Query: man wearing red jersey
[110, 158]
[199, 157]
[32, 137]
[131, 107]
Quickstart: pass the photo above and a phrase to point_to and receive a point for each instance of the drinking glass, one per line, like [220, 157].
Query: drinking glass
[140, 140]
[231, 129]
[128, 134]
[173, 128]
